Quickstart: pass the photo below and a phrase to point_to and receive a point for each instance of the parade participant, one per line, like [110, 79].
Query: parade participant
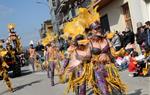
[92, 72]
[101, 54]
[3, 68]
[65, 62]
[14, 39]
[39, 48]
[79, 58]
[99, 45]
[52, 60]
[115, 40]
[45, 63]
[113, 51]
[32, 56]
[114, 84]
[78, 24]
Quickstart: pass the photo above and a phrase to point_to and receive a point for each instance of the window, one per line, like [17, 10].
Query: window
[127, 17]
[105, 23]
[54, 2]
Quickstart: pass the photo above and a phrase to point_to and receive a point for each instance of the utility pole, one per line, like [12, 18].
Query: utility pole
[52, 4]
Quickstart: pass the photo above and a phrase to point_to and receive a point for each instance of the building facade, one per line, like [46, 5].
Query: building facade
[116, 15]
[53, 4]
[46, 27]
[68, 9]
[119, 14]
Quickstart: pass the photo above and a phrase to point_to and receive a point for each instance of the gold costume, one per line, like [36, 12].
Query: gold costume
[4, 72]
[113, 79]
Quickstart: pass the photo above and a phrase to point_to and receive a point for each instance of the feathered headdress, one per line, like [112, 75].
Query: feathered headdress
[110, 35]
[78, 24]
[49, 37]
[3, 53]
[84, 42]
[11, 26]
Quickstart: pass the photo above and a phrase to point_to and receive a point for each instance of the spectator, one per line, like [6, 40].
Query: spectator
[147, 29]
[141, 37]
[39, 48]
[128, 37]
[132, 63]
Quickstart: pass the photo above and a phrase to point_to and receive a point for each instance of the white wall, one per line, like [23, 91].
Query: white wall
[139, 12]
[115, 15]
[148, 8]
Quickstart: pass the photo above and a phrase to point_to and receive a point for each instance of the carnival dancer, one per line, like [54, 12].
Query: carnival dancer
[80, 57]
[52, 60]
[93, 74]
[3, 69]
[45, 63]
[114, 84]
[32, 56]
[99, 45]
[14, 39]
[114, 52]
[65, 62]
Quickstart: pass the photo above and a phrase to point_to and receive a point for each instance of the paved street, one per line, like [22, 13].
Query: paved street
[39, 84]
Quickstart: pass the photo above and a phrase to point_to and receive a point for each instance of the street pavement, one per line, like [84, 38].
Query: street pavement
[38, 84]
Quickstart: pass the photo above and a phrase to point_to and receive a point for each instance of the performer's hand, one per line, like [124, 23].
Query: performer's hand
[7, 66]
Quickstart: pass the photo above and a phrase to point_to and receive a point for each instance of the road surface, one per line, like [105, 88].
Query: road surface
[38, 84]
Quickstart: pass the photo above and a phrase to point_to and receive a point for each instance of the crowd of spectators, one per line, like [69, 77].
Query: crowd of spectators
[134, 60]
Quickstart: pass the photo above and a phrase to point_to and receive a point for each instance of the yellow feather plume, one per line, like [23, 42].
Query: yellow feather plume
[84, 19]
[115, 53]
[110, 35]
[73, 28]
[95, 15]
[84, 42]
[11, 25]
[49, 37]
[3, 53]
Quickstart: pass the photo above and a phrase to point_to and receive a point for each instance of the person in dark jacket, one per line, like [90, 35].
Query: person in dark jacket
[128, 37]
[39, 49]
[147, 29]
[141, 37]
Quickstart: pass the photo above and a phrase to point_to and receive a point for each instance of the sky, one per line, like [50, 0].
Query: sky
[26, 14]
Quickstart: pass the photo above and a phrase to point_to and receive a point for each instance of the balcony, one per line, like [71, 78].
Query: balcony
[64, 6]
[102, 3]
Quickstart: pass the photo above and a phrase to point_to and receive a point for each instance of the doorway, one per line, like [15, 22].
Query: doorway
[127, 16]
[105, 23]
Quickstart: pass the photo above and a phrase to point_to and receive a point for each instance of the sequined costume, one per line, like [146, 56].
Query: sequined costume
[3, 70]
[94, 73]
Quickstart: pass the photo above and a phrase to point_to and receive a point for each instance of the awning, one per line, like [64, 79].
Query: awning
[102, 3]
[65, 5]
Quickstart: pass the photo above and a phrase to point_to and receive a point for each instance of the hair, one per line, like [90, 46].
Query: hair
[104, 58]
[2, 40]
[139, 29]
[147, 23]
[79, 37]
[45, 48]
[134, 54]
[147, 49]
[87, 30]
[95, 26]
